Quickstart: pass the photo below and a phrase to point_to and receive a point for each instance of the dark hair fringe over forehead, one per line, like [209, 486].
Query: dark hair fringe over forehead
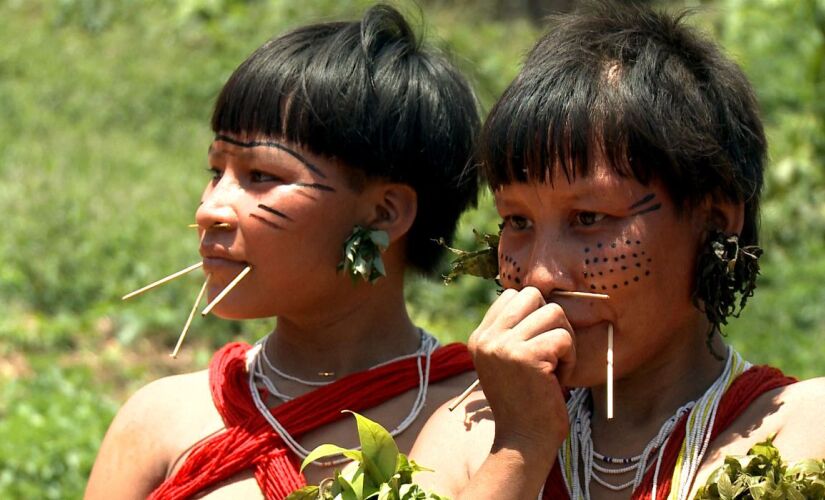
[368, 95]
[639, 91]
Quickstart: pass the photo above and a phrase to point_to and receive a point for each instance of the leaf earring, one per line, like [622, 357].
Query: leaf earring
[362, 254]
[724, 270]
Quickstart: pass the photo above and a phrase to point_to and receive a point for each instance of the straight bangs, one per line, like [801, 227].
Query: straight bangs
[296, 87]
[552, 124]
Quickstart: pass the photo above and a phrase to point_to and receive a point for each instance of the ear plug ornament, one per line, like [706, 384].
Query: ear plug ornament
[362, 254]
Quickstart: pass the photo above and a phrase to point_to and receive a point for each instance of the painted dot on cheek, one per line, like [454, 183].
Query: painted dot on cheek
[592, 287]
[612, 245]
[635, 278]
[586, 250]
[615, 286]
[518, 281]
[587, 261]
[598, 245]
[647, 273]
[627, 242]
[625, 283]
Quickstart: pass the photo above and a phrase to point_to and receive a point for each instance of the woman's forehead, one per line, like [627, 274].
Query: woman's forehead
[601, 181]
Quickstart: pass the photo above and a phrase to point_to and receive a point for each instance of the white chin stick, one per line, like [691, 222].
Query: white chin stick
[609, 371]
[162, 281]
[189, 319]
[226, 290]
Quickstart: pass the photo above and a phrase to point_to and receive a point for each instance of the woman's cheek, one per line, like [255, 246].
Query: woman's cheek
[612, 265]
[510, 270]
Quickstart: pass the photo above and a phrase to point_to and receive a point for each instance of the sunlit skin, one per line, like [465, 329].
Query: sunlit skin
[265, 194]
[288, 212]
[555, 234]
[568, 236]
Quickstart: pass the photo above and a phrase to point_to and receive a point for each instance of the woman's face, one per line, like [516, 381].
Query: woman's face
[609, 235]
[289, 212]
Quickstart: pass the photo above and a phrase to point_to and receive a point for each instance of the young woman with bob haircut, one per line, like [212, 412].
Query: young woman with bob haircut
[330, 138]
[626, 160]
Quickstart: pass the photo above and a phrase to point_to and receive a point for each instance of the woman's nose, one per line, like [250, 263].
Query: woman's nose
[219, 205]
[550, 268]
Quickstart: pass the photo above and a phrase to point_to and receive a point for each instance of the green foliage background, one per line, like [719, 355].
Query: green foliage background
[104, 108]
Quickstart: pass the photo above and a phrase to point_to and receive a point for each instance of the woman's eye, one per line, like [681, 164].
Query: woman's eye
[216, 173]
[517, 222]
[588, 218]
[258, 176]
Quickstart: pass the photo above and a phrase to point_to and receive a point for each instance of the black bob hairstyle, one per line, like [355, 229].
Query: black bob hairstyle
[366, 93]
[641, 90]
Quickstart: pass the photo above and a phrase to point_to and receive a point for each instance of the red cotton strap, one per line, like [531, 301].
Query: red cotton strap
[250, 442]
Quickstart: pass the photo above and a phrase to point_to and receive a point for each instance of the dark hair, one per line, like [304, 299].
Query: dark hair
[640, 89]
[368, 95]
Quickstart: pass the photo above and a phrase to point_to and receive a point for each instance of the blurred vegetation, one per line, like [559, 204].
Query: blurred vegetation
[105, 107]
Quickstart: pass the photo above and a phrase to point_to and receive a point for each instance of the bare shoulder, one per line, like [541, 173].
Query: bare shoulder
[802, 434]
[150, 430]
[455, 443]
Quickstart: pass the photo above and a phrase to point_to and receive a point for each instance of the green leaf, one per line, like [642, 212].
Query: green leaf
[386, 493]
[380, 238]
[305, 493]
[378, 446]
[328, 450]
[726, 490]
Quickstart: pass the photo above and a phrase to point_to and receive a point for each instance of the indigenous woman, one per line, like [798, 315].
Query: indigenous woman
[333, 133]
[627, 160]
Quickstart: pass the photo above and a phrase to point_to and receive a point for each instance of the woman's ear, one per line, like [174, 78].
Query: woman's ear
[393, 207]
[725, 215]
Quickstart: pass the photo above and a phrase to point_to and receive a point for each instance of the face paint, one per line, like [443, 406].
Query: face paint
[276, 145]
[645, 205]
[509, 269]
[632, 266]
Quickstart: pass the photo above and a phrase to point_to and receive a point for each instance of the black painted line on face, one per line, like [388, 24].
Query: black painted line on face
[272, 144]
[643, 201]
[277, 213]
[317, 186]
[265, 221]
[649, 209]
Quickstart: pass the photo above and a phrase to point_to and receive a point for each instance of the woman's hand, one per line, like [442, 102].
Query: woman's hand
[522, 349]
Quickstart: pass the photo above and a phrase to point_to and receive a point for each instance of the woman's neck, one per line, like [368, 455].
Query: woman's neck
[351, 336]
[644, 400]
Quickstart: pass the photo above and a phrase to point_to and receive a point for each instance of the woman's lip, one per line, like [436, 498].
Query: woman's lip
[216, 263]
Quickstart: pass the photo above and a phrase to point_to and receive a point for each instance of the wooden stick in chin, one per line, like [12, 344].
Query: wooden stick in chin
[226, 290]
[609, 371]
[581, 295]
[162, 281]
[174, 354]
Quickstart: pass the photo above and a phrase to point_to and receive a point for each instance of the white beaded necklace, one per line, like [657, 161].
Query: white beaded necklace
[257, 377]
[578, 447]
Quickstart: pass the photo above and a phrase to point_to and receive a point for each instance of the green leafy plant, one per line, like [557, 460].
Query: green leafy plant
[482, 263]
[761, 474]
[362, 254]
[378, 470]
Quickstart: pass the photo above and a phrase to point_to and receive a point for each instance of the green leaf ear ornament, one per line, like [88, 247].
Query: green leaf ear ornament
[482, 263]
[362, 254]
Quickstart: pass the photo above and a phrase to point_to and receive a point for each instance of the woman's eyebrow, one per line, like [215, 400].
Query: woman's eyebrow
[271, 144]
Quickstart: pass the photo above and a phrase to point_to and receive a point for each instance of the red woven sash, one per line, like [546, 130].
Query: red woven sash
[741, 393]
[250, 442]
